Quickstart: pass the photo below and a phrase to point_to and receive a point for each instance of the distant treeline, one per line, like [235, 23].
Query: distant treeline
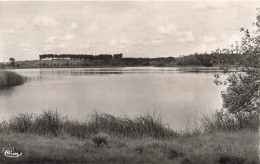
[208, 59]
[204, 59]
[81, 56]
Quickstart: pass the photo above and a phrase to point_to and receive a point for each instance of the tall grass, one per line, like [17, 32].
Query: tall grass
[53, 123]
[9, 79]
[224, 121]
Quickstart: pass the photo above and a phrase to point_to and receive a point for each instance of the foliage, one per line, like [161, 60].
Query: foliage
[100, 140]
[9, 79]
[225, 121]
[242, 95]
[204, 59]
[12, 60]
[52, 123]
[81, 56]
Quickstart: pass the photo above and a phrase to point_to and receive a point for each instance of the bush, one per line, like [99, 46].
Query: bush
[225, 121]
[100, 140]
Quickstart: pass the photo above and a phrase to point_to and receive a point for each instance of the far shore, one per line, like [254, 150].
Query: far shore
[105, 66]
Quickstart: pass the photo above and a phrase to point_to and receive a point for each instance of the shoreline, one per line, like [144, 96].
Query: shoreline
[175, 66]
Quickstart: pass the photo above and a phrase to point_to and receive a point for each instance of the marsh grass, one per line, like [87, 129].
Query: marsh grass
[224, 121]
[9, 79]
[53, 123]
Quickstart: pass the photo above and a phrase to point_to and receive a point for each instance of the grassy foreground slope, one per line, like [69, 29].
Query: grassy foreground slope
[219, 147]
[51, 138]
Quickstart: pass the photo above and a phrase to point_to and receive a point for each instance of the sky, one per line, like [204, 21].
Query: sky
[136, 28]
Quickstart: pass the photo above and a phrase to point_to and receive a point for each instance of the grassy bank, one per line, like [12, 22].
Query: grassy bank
[9, 79]
[50, 137]
[218, 147]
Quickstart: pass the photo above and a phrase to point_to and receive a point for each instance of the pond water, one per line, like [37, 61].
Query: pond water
[178, 94]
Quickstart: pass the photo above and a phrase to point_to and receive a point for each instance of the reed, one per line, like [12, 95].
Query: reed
[53, 123]
[224, 121]
[9, 79]
[143, 126]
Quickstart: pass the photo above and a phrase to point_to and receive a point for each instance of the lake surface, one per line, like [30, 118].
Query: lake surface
[176, 93]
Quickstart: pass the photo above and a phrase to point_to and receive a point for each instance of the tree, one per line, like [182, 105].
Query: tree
[12, 60]
[242, 96]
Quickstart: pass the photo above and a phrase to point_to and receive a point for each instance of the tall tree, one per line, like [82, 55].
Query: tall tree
[12, 60]
[242, 96]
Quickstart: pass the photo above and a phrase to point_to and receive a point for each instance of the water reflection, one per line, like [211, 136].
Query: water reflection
[42, 73]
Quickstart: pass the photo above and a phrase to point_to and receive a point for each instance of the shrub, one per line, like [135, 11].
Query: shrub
[225, 121]
[172, 154]
[139, 148]
[99, 140]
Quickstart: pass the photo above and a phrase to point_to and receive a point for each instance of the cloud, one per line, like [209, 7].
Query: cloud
[62, 45]
[210, 43]
[25, 45]
[210, 6]
[200, 6]
[209, 39]
[67, 37]
[112, 42]
[92, 27]
[124, 41]
[19, 27]
[52, 47]
[203, 47]
[157, 42]
[44, 21]
[185, 36]
[87, 10]
[51, 39]
[28, 48]
[207, 44]
[121, 42]
[74, 26]
[168, 29]
[8, 31]
[171, 29]
[85, 45]
[231, 39]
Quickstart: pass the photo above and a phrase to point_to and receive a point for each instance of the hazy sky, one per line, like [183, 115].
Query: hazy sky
[136, 29]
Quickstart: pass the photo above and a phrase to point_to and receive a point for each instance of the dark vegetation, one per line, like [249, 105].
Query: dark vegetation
[52, 123]
[241, 99]
[9, 79]
[205, 59]
[225, 121]
[12, 60]
[215, 58]
[100, 140]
